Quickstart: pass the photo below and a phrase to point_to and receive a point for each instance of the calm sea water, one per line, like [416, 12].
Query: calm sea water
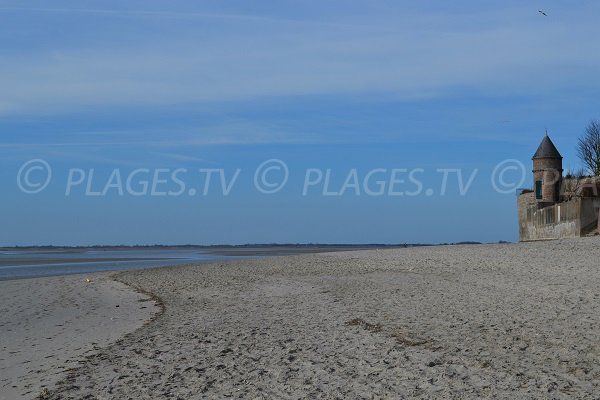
[32, 264]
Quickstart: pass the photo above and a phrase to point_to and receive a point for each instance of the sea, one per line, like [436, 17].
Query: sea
[21, 264]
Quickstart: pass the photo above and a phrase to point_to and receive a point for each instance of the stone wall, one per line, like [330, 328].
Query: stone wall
[549, 171]
[590, 209]
[572, 218]
[553, 222]
[525, 202]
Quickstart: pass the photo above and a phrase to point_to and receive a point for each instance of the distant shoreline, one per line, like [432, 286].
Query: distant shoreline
[33, 262]
[227, 247]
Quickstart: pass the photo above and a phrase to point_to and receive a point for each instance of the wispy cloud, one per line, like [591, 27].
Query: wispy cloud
[222, 133]
[184, 15]
[186, 158]
[216, 58]
[518, 60]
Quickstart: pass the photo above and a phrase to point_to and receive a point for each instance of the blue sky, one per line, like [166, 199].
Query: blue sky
[337, 85]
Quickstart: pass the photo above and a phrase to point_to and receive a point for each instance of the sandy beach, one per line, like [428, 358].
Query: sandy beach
[478, 321]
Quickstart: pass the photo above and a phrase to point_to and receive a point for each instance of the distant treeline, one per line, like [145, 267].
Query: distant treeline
[215, 246]
[237, 246]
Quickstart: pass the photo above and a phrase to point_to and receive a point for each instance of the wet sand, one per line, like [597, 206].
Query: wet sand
[49, 325]
[499, 321]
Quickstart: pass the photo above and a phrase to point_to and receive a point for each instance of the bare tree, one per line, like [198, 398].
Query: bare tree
[588, 148]
[572, 184]
[577, 183]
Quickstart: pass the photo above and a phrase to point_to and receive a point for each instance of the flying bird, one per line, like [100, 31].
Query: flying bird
[543, 13]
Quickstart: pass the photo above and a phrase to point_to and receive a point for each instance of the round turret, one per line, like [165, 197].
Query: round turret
[547, 172]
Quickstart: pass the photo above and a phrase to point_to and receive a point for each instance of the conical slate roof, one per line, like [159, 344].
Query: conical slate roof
[547, 149]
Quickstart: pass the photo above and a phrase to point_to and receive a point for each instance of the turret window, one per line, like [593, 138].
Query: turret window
[538, 190]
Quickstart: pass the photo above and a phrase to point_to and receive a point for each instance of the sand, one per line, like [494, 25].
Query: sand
[498, 321]
[49, 325]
